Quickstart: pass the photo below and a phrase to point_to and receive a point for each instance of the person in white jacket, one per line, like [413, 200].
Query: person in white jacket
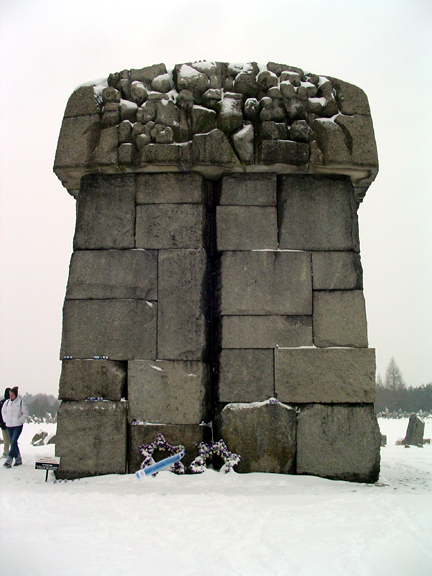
[14, 414]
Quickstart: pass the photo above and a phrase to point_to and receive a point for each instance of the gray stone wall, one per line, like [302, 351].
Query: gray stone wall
[134, 316]
[216, 265]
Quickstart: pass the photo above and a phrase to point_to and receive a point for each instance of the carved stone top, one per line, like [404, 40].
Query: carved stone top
[214, 118]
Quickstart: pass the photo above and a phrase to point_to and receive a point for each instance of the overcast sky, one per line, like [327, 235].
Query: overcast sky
[48, 47]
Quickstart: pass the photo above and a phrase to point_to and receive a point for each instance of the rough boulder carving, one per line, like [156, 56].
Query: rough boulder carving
[219, 117]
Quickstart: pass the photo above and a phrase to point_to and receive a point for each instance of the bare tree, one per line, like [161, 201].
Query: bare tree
[393, 377]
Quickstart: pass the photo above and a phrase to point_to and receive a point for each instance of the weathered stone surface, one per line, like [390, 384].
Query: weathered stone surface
[81, 379]
[339, 318]
[267, 79]
[128, 110]
[160, 226]
[111, 94]
[181, 322]
[167, 114]
[284, 152]
[91, 439]
[162, 83]
[317, 213]
[251, 109]
[169, 188]
[113, 274]
[125, 131]
[213, 70]
[203, 120]
[292, 76]
[350, 98]
[106, 212]
[266, 283]
[107, 148]
[188, 435]
[300, 131]
[111, 115]
[246, 375]
[168, 392]
[266, 331]
[162, 134]
[185, 99]
[249, 190]
[243, 141]
[187, 78]
[78, 139]
[148, 73]
[245, 83]
[170, 154]
[279, 69]
[138, 92]
[263, 434]
[359, 132]
[272, 109]
[211, 97]
[142, 134]
[331, 141]
[287, 89]
[269, 130]
[230, 116]
[415, 431]
[337, 271]
[213, 148]
[296, 109]
[339, 442]
[82, 102]
[125, 153]
[329, 375]
[119, 329]
[246, 227]
[146, 112]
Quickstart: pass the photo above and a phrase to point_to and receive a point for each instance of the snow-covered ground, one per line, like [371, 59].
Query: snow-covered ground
[215, 524]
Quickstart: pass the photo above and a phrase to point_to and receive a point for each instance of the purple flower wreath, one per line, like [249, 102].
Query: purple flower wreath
[160, 443]
[219, 448]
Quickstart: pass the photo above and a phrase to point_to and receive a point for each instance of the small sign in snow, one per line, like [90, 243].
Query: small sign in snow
[48, 463]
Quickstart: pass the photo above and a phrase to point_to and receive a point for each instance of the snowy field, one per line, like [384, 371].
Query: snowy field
[214, 524]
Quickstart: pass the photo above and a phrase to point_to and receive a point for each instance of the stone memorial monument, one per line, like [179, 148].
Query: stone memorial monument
[215, 288]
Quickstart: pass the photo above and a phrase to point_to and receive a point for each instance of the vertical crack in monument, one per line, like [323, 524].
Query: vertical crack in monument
[216, 267]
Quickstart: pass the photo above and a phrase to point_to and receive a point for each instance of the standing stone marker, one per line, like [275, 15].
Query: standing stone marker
[216, 267]
[415, 431]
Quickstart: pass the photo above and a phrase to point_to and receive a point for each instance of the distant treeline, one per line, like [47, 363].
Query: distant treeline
[41, 405]
[408, 399]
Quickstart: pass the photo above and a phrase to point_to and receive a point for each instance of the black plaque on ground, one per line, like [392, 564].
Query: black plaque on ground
[48, 463]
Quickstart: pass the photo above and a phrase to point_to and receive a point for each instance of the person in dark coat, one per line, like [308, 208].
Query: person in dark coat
[6, 439]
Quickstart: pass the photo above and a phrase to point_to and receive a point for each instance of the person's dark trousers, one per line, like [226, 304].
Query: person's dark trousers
[14, 433]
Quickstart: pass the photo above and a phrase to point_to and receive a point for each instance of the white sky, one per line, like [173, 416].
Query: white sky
[47, 48]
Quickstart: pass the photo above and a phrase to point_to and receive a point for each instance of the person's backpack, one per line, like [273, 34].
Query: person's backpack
[2, 422]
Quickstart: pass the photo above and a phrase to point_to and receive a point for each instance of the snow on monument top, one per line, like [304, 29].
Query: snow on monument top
[216, 118]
